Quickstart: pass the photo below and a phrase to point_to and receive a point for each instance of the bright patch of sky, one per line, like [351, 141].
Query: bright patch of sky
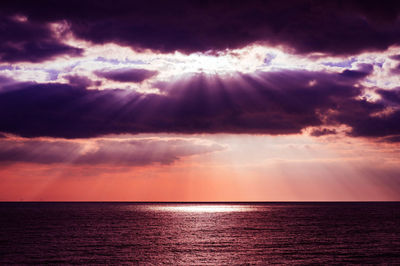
[249, 59]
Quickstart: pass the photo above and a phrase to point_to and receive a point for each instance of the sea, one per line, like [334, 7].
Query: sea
[263, 233]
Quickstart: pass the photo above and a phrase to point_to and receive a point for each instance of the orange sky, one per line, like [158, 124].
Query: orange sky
[248, 168]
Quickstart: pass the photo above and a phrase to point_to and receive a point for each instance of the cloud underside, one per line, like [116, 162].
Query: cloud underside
[331, 27]
[129, 152]
[126, 74]
[30, 42]
[284, 102]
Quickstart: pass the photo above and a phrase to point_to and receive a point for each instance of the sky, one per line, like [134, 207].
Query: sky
[199, 100]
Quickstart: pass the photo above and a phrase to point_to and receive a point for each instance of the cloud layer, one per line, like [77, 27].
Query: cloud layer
[130, 152]
[126, 74]
[334, 27]
[23, 41]
[283, 102]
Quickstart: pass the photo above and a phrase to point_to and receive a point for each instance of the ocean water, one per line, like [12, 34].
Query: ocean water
[207, 233]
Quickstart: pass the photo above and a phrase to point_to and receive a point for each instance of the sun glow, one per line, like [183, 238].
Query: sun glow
[204, 208]
[171, 66]
[245, 60]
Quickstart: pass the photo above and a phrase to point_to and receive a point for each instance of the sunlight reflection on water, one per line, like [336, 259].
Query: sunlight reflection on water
[205, 208]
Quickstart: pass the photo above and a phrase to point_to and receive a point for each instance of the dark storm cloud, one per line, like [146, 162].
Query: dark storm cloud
[272, 103]
[81, 81]
[362, 71]
[7, 84]
[322, 132]
[126, 74]
[284, 102]
[123, 152]
[390, 96]
[333, 27]
[368, 119]
[376, 126]
[395, 138]
[29, 42]
[5, 81]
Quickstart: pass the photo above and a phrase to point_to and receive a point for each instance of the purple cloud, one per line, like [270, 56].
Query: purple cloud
[334, 27]
[322, 132]
[81, 81]
[265, 102]
[137, 152]
[395, 138]
[30, 42]
[127, 74]
[364, 119]
[396, 57]
[362, 71]
[390, 96]
[5, 81]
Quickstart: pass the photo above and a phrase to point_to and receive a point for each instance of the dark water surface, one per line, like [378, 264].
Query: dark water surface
[219, 233]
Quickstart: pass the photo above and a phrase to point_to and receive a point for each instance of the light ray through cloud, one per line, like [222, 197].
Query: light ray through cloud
[245, 103]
